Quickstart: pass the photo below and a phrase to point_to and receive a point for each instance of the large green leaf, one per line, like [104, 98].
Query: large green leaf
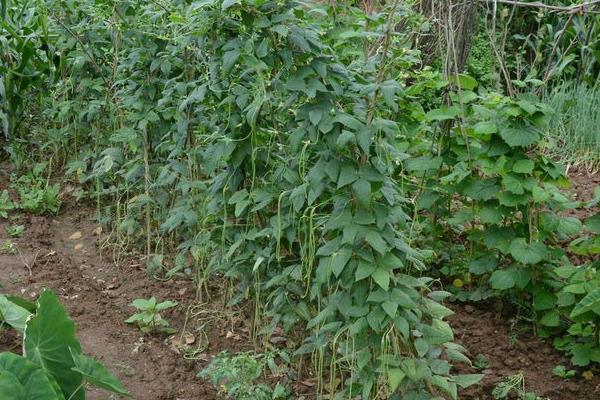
[502, 279]
[13, 314]
[21, 377]
[464, 381]
[96, 374]
[591, 302]
[49, 335]
[593, 223]
[527, 253]
[519, 137]
[10, 387]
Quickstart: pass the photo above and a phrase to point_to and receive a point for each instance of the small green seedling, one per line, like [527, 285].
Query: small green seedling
[6, 204]
[513, 386]
[562, 372]
[236, 377]
[15, 230]
[481, 362]
[8, 247]
[148, 318]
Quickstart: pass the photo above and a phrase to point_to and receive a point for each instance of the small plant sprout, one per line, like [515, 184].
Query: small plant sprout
[6, 204]
[148, 318]
[236, 377]
[562, 372]
[8, 247]
[481, 362]
[513, 387]
[15, 230]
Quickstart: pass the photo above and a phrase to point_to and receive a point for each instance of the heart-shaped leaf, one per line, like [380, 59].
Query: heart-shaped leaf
[49, 335]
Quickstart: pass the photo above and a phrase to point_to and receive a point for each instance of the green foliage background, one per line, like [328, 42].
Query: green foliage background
[299, 151]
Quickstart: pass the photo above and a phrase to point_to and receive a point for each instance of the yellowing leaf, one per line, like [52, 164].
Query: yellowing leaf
[76, 236]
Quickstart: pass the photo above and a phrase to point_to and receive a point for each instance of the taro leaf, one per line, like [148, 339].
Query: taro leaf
[20, 301]
[22, 379]
[11, 388]
[13, 314]
[96, 374]
[485, 128]
[48, 336]
[527, 253]
[466, 82]
[519, 137]
[591, 302]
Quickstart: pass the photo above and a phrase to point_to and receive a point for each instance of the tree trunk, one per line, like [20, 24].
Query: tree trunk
[452, 26]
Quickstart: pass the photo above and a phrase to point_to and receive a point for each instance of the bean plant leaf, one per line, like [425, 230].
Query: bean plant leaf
[382, 278]
[466, 380]
[593, 223]
[591, 302]
[519, 137]
[524, 166]
[502, 279]
[228, 4]
[443, 113]
[49, 335]
[482, 189]
[96, 374]
[527, 253]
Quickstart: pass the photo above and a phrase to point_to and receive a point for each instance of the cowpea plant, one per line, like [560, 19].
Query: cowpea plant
[25, 58]
[311, 220]
[258, 140]
[504, 200]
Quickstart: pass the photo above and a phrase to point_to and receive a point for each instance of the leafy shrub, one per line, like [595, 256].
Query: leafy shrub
[236, 376]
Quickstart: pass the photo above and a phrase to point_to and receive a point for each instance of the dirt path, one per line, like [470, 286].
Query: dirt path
[97, 294]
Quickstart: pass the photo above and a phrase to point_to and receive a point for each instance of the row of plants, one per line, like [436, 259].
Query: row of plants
[238, 134]
[299, 152]
[491, 189]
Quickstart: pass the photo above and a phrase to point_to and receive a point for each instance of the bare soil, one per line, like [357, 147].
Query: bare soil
[510, 349]
[97, 292]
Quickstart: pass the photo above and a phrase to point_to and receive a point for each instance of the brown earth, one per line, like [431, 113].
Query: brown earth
[509, 349]
[583, 185]
[97, 293]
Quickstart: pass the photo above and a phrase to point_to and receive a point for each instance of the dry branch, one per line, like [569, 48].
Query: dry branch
[573, 9]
